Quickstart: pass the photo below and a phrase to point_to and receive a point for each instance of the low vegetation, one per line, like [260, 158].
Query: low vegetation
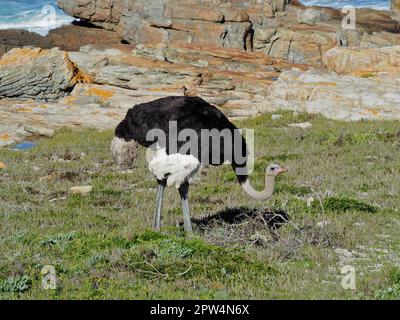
[340, 202]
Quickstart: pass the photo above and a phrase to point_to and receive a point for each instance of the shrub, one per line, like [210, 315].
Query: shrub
[62, 237]
[169, 248]
[346, 204]
[15, 284]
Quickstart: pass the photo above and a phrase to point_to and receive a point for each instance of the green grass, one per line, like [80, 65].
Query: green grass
[102, 247]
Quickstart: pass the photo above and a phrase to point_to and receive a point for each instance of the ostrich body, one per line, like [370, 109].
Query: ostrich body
[173, 167]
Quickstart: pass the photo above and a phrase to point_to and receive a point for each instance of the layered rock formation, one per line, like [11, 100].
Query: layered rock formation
[72, 37]
[233, 80]
[38, 74]
[123, 15]
[335, 96]
[237, 82]
[104, 13]
[363, 62]
[279, 28]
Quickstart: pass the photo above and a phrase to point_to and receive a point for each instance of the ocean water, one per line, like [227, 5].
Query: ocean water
[41, 16]
[374, 4]
[38, 16]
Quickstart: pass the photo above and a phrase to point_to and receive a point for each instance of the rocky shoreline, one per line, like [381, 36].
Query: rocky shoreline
[246, 57]
[68, 38]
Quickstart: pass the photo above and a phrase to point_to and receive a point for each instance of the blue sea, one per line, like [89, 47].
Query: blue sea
[38, 16]
[41, 16]
[374, 4]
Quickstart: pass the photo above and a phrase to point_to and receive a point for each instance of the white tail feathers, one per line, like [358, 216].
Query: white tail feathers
[176, 168]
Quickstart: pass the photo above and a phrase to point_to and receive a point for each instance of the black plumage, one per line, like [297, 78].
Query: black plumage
[189, 113]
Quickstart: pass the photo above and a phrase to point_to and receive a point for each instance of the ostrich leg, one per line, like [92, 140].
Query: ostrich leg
[184, 192]
[157, 213]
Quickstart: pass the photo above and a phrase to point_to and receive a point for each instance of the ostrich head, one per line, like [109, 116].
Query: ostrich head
[124, 152]
[271, 172]
[275, 170]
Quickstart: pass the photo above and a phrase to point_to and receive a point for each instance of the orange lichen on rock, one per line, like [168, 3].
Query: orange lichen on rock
[4, 136]
[113, 115]
[78, 75]
[24, 109]
[24, 68]
[102, 93]
[70, 100]
[20, 55]
[374, 111]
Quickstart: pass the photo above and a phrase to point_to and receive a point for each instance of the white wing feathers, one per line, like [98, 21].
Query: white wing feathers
[176, 168]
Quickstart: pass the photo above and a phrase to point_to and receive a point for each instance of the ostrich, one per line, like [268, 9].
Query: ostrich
[173, 167]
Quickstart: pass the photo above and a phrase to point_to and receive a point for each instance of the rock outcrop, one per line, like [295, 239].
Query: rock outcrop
[336, 96]
[72, 37]
[235, 81]
[279, 28]
[121, 15]
[68, 38]
[379, 40]
[300, 44]
[104, 13]
[363, 62]
[38, 74]
[19, 117]
[10, 39]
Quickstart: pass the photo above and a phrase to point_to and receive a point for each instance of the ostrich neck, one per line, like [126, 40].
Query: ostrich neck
[260, 195]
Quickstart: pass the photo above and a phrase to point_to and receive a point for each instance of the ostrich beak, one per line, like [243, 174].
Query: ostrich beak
[282, 170]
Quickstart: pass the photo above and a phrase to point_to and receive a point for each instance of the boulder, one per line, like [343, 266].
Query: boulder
[312, 16]
[81, 190]
[299, 43]
[301, 125]
[103, 13]
[38, 73]
[39, 131]
[363, 62]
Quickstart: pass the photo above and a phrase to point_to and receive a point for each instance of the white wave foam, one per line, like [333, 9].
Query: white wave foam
[373, 4]
[40, 22]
